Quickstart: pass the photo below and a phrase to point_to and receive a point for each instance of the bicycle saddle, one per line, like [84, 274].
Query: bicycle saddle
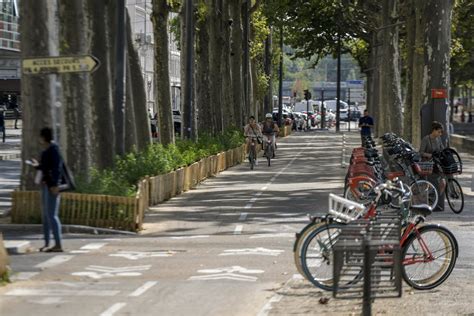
[422, 209]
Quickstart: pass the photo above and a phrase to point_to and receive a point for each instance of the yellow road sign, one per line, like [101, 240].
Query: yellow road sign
[60, 64]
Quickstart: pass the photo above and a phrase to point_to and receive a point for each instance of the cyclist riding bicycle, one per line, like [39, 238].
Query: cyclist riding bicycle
[252, 131]
[269, 130]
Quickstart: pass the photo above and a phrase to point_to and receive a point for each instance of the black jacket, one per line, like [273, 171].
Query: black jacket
[51, 166]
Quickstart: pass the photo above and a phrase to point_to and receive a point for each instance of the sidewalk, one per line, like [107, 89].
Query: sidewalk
[10, 166]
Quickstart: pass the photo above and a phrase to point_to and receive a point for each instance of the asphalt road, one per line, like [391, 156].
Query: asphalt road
[224, 248]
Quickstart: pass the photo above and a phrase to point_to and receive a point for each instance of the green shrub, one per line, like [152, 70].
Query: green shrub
[155, 160]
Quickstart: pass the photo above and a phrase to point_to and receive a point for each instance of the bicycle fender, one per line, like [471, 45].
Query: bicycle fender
[425, 227]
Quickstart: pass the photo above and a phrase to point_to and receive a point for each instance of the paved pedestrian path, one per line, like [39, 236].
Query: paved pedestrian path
[224, 248]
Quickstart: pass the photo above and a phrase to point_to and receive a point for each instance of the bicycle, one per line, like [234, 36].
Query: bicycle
[269, 153]
[448, 169]
[253, 153]
[419, 243]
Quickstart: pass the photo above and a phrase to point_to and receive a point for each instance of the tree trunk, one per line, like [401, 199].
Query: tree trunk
[101, 86]
[215, 47]
[417, 70]
[437, 55]
[77, 130]
[268, 102]
[236, 59]
[410, 52]
[36, 97]
[137, 89]
[228, 97]
[390, 66]
[163, 98]
[205, 123]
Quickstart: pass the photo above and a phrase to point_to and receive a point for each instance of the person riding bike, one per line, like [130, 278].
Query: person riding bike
[252, 131]
[269, 130]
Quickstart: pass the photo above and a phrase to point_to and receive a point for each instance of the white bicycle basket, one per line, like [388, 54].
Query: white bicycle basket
[343, 209]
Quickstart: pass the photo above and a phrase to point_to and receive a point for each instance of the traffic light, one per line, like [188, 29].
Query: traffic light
[307, 95]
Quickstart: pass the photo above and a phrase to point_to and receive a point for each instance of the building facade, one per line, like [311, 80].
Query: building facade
[142, 33]
[10, 70]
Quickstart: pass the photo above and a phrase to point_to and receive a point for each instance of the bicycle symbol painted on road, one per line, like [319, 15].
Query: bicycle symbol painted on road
[227, 273]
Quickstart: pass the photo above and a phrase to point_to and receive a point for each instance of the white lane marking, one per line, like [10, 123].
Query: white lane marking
[142, 289]
[253, 200]
[113, 309]
[23, 276]
[94, 246]
[278, 296]
[264, 188]
[228, 273]
[243, 216]
[135, 255]
[258, 194]
[79, 251]
[99, 272]
[54, 261]
[49, 301]
[112, 239]
[273, 178]
[190, 237]
[252, 251]
[280, 235]
[238, 229]
[248, 206]
[53, 292]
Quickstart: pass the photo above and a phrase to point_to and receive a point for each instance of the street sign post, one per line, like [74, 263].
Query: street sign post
[59, 65]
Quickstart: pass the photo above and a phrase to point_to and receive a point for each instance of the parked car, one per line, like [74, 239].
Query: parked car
[343, 112]
[355, 113]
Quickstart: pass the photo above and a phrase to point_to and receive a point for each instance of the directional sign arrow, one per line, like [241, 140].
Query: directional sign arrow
[59, 64]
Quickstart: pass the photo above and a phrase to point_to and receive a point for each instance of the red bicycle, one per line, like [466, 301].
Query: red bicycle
[429, 252]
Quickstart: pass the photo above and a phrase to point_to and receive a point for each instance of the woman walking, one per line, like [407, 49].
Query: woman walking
[50, 167]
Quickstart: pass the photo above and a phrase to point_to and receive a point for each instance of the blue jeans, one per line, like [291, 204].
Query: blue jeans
[50, 203]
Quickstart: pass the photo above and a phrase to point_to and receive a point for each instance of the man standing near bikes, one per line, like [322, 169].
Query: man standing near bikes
[366, 123]
[270, 129]
[429, 144]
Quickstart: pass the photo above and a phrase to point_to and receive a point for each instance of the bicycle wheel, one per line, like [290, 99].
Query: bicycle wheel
[252, 157]
[317, 255]
[269, 154]
[429, 257]
[424, 192]
[298, 245]
[455, 196]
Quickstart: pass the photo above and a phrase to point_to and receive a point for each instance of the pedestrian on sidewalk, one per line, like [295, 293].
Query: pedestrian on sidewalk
[3, 108]
[430, 144]
[50, 167]
[366, 123]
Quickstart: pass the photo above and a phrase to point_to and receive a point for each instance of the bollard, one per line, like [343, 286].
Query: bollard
[343, 158]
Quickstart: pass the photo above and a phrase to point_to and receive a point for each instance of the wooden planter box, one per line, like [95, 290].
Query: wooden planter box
[125, 213]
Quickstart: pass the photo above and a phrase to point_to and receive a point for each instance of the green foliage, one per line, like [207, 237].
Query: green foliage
[175, 28]
[5, 278]
[155, 160]
[462, 46]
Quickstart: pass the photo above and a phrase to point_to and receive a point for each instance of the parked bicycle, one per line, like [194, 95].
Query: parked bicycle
[449, 163]
[429, 252]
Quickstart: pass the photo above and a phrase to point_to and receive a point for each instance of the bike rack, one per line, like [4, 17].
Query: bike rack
[367, 260]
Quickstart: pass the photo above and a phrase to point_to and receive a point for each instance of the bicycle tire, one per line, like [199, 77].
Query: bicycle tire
[298, 245]
[439, 277]
[453, 184]
[417, 189]
[269, 154]
[252, 158]
[327, 283]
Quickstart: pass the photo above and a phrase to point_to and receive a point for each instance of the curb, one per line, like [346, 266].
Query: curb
[67, 229]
